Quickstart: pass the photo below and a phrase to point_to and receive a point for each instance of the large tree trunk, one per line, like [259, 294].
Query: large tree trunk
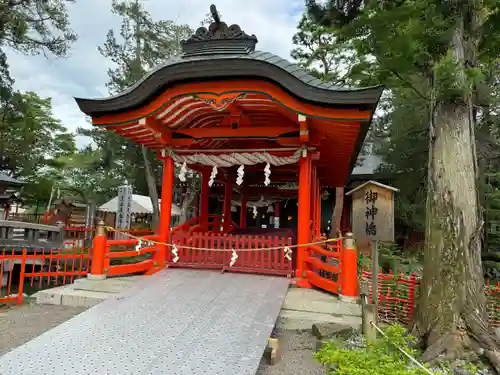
[187, 203]
[452, 319]
[153, 192]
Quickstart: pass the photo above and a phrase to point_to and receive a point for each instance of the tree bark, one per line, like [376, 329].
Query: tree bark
[451, 318]
[151, 181]
[187, 204]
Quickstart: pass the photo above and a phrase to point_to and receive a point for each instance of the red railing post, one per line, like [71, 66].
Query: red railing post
[349, 269]
[411, 297]
[98, 253]
[20, 289]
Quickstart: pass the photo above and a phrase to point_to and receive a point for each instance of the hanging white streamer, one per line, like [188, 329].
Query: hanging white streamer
[241, 173]
[234, 258]
[138, 247]
[267, 173]
[287, 253]
[212, 176]
[254, 211]
[144, 244]
[183, 171]
[175, 253]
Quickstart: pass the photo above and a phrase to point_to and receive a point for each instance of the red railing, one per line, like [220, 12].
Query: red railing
[139, 261]
[397, 297]
[42, 268]
[195, 225]
[332, 266]
[324, 266]
[216, 251]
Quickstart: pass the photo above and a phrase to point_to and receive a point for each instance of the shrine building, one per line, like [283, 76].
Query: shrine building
[267, 138]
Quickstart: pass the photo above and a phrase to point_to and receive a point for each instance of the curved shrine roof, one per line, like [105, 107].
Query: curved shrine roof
[223, 52]
[188, 102]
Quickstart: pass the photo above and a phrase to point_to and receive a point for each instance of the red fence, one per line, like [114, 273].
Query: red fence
[72, 235]
[397, 297]
[324, 266]
[39, 269]
[218, 251]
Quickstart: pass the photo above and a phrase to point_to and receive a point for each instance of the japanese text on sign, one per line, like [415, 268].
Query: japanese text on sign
[370, 212]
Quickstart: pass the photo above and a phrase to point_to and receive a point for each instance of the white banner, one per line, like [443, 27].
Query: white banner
[123, 215]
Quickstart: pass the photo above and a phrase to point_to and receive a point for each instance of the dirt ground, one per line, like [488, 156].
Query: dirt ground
[20, 324]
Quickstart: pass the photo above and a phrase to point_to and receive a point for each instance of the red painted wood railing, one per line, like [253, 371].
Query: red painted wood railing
[218, 250]
[333, 267]
[196, 225]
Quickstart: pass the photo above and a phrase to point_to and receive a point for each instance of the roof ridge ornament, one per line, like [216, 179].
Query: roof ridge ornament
[218, 39]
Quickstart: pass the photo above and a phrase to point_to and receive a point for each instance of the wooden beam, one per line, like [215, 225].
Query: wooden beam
[161, 132]
[304, 128]
[241, 132]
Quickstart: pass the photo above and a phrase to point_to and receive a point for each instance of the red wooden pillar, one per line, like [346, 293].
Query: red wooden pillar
[205, 177]
[228, 189]
[243, 213]
[318, 207]
[313, 203]
[160, 256]
[304, 217]
[97, 268]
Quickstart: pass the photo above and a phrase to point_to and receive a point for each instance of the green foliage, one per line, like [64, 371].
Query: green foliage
[141, 44]
[492, 212]
[32, 27]
[318, 52]
[30, 137]
[83, 175]
[378, 358]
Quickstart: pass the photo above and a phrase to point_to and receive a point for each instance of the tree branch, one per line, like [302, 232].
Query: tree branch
[402, 79]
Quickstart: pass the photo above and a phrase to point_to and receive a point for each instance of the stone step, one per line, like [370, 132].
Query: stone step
[312, 300]
[292, 320]
[67, 296]
[112, 285]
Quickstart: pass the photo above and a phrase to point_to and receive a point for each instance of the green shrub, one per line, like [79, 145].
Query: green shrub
[378, 358]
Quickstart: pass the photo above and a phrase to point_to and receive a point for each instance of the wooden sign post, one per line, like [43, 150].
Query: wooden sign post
[373, 220]
[373, 212]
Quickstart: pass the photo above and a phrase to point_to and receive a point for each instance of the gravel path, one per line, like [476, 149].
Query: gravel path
[296, 356]
[20, 324]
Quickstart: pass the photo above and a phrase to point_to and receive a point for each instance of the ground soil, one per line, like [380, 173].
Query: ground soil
[20, 324]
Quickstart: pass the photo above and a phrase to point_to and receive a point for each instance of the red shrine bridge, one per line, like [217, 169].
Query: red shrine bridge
[261, 132]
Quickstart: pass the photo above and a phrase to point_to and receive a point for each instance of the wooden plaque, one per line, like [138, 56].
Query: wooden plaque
[373, 212]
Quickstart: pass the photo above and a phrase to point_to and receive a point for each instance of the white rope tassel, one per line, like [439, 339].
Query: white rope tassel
[234, 258]
[241, 173]
[138, 247]
[175, 253]
[182, 172]
[288, 253]
[267, 173]
[254, 211]
[212, 176]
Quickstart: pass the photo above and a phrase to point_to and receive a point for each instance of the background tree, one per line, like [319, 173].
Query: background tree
[437, 43]
[142, 44]
[318, 53]
[32, 27]
[30, 136]
[83, 174]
